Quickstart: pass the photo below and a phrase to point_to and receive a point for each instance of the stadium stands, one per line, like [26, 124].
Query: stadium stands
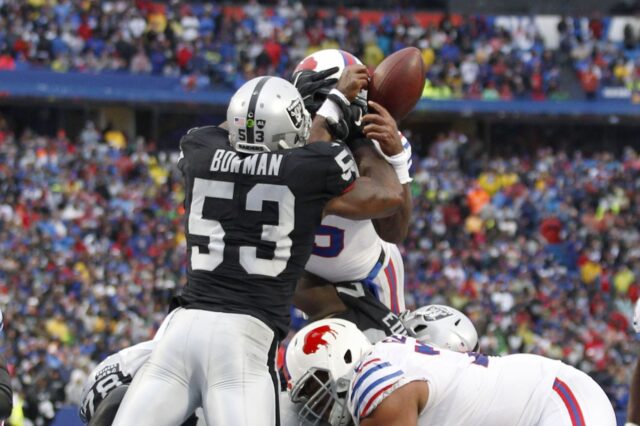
[542, 250]
[543, 253]
[475, 57]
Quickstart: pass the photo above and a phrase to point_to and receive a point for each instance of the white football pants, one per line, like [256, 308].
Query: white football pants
[577, 400]
[223, 362]
[388, 282]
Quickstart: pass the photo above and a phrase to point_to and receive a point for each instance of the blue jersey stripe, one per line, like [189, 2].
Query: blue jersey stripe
[369, 372]
[376, 383]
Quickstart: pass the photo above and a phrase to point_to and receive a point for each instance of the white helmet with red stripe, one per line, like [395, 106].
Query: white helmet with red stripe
[320, 362]
[323, 60]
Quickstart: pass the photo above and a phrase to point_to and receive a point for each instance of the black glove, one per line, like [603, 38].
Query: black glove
[314, 86]
[350, 125]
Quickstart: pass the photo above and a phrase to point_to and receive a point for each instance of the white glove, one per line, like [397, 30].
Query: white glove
[636, 317]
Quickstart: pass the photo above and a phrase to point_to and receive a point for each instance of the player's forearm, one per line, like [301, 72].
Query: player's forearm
[319, 130]
[366, 201]
[633, 410]
[394, 228]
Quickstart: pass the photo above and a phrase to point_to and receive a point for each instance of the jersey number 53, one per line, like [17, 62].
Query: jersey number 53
[213, 229]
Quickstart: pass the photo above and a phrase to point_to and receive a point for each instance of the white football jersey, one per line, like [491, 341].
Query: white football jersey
[344, 250]
[347, 250]
[464, 388]
[114, 371]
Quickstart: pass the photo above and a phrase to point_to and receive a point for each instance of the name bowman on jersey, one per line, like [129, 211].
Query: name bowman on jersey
[261, 224]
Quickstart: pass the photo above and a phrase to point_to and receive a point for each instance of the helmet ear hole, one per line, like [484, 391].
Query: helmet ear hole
[420, 328]
[348, 357]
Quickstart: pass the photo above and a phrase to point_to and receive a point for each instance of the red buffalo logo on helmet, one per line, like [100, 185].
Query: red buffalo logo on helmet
[308, 63]
[315, 338]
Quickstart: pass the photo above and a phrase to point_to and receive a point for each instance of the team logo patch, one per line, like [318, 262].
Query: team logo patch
[260, 124]
[295, 111]
[309, 63]
[315, 338]
[435, 313]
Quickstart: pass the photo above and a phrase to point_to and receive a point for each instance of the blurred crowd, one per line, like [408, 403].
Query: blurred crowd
[597, 61]
[90, 252]
[542, 252]
[205, 43]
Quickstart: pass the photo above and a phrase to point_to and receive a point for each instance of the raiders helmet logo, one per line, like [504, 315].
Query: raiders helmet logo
[435, 313]
[295, 113]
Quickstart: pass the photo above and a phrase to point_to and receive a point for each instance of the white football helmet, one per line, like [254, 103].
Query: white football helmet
[320, 362]
[267, 114]
[442, 326]
[323, 60]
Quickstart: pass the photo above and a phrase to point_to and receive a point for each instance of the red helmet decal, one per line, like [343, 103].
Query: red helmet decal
[309, 63]
[315, 338]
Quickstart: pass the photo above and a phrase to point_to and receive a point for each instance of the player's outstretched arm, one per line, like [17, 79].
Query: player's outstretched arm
[381, 127]
[354, 78]
[366, 200]
[401, 408]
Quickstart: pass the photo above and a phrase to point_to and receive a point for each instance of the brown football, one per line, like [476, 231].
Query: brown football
[398, 81]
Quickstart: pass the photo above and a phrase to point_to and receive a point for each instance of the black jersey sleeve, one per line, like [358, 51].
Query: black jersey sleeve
[199, 140]
[341, 169]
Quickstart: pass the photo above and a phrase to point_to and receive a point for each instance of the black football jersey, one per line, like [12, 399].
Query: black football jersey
[251, 220]
[370, 315]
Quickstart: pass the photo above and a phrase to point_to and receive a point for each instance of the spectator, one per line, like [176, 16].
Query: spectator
[590, 82]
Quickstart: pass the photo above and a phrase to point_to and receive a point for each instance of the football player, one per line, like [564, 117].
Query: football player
[633, 409]
[6, 392]
[334, 370]
[108, 382]
[372, 317]
[352, 266]
[255, 195]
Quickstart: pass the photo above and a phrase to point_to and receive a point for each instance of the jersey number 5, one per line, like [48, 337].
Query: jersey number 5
[278, 234]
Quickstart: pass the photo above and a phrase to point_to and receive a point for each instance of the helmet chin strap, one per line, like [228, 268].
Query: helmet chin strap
[339, 416]
[282, 144]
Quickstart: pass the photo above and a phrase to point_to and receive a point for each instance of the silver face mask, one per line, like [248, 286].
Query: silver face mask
[323, 399]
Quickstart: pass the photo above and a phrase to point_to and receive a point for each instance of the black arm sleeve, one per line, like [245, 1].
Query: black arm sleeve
[6, 394]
